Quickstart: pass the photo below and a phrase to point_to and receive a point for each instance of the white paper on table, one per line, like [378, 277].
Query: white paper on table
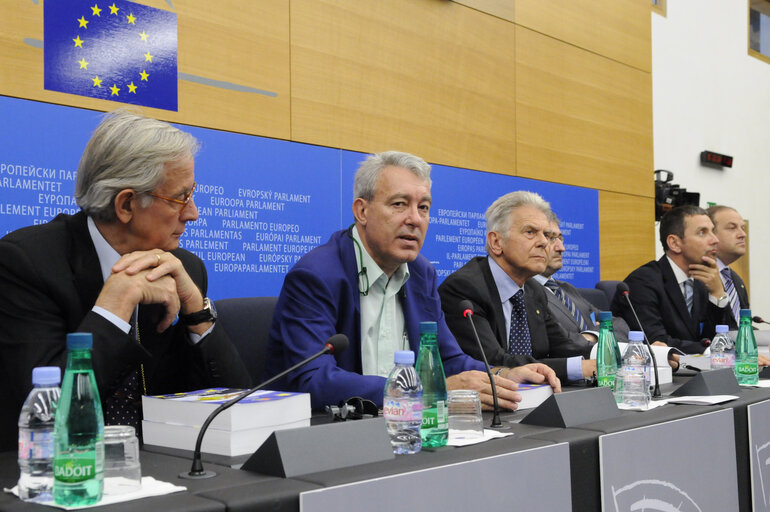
[458, 440]
[652, 404]
[701, 400]
[150, 487]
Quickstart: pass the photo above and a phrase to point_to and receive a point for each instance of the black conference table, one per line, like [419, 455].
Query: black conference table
[236, 490]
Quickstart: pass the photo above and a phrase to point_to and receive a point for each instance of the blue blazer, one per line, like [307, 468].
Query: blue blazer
[320, 298]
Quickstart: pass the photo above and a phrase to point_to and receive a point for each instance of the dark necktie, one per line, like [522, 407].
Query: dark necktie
[124, 406]
[519, 340]
[735, 303]
[568, 303]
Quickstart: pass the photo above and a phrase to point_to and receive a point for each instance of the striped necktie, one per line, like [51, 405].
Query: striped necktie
[735, 303]
[568, 303]
[688, 294]
[519, 339]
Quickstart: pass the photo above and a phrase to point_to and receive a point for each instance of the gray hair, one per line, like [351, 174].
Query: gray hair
[498, 214]
[127, 151]
[553, 218]
[365, 182]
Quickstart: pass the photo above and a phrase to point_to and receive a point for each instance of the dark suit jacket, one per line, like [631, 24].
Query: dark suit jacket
[49, 280]
[743, 297]
[474, 282]
[564, 317]
[320, 298]
[662, 311]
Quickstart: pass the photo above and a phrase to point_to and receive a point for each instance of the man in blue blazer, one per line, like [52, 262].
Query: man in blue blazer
[370, 283]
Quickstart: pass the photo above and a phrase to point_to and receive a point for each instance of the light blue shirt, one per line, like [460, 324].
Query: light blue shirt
[382, 316]
[507, 288]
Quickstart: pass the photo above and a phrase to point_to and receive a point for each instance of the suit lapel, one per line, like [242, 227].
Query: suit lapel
[674, 293]
[86, 271]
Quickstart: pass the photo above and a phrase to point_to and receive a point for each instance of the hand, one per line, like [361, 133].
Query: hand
[536, 373]
[158, 264]
[658, 344]
[589, 367]
[591, 337]
[507, 397]
[122, 292]
[708, 274]
[763, 360]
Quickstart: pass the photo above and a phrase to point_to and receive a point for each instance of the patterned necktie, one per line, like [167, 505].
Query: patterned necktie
[122, 408]
[519, 340]
[735, 303]
[568, 303]
[688, 294]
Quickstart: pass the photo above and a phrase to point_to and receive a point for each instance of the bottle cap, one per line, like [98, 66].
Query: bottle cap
[46, 375]
[746, 312]
[722, 328]
[605, 315]
[635, 336]
[428, 328]
[80, 341]
[403, 357]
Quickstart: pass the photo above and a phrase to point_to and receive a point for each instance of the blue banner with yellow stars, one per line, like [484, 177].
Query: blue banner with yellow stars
[113, 50]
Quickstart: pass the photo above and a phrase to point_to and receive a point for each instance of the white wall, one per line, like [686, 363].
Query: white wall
[708, 93]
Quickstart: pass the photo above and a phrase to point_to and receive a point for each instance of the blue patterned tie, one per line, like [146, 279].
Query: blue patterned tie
[735, 303]
[519, 340]
[564, 298]
[688, 294]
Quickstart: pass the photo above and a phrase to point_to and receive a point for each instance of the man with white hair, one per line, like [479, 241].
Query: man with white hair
[115, 270]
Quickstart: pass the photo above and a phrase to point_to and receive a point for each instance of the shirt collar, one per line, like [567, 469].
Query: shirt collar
[541, 279]
[680, 275]
[506, 286]
[107, 255]
[720, 265]
[373, 270]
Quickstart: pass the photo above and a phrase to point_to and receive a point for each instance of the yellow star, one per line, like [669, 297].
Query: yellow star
[83, 22]
[83, 64]
[97, 81]
[78, 42]
[148, 57]
[115, 90]
[114, 10]
[95, 9]
[144, 76]
[131, 19]
[132, 88]
[143, 35]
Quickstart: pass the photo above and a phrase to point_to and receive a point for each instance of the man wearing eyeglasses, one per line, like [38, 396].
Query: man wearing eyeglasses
[115, 270]
[370, 283]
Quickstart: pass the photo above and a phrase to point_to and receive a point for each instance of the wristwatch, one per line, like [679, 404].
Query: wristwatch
[207, 314]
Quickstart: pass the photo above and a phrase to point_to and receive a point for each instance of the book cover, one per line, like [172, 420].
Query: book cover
[260, 409]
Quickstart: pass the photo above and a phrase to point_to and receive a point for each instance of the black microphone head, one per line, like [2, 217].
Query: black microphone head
[757, 319]
[466, 307]
[337, 343]
[622, 288]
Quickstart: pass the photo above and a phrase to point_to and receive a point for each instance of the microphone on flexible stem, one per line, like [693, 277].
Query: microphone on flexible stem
[623, 289]
[333, 345]
[467, 308]
[758, 320]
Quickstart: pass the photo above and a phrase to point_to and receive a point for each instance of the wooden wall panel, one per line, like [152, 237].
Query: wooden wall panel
[504, 9]
[431, 77]
[230, 42]
[626, 233]
[617, 29]
[581, 119]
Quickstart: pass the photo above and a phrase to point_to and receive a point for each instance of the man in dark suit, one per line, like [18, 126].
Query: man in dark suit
[730, 230]
[679, 298]
[571, 311]
[93, 271]
[511, 311]
[370, 283]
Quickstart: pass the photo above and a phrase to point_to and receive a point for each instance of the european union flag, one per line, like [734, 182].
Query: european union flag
[121, 51]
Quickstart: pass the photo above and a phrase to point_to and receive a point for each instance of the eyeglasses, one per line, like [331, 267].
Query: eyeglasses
[183, 202]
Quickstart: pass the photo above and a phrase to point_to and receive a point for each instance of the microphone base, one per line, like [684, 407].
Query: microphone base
[189, 475]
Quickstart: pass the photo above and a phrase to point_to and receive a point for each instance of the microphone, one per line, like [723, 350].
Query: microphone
[333, 345]
[623, 290]
[758, 320]
[467, 308]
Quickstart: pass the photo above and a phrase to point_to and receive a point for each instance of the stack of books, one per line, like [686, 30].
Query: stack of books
[174, 421]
